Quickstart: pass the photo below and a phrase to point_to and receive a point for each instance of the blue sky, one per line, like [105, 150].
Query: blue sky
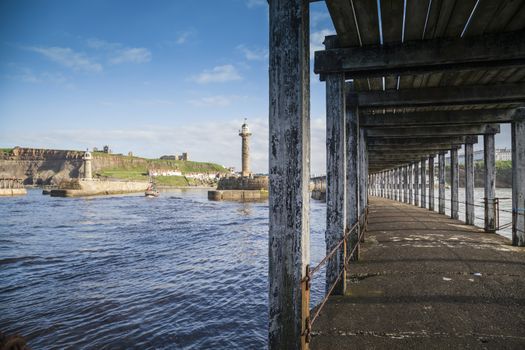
[152, 77]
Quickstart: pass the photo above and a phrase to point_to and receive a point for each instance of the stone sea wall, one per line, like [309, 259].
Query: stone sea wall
[243, 183]
[81, 188]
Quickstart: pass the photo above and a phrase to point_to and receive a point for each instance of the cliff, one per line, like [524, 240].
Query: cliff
[51, 167]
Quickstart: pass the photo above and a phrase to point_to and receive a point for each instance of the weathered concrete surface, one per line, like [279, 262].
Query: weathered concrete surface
[427, 281]
[95, 188]
[237, 195]
[8, 192]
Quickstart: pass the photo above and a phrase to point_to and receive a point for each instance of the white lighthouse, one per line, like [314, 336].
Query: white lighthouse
[87, 166]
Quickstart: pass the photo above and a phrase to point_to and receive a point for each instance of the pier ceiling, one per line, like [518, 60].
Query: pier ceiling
[420, 70]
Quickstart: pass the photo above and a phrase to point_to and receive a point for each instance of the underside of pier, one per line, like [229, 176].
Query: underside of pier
[407, 82]
[427, 281]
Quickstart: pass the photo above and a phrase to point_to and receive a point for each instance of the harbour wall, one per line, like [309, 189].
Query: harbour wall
[8, 192]
[81, 188]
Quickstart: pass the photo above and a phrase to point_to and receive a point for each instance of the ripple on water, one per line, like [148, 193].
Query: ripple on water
[126, 272]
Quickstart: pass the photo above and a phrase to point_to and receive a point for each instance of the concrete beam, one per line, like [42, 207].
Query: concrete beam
[424, 56]
[416, 141]
[437, 118]
[458, 130]
[289, 172]
[441, 96]
[411, 148]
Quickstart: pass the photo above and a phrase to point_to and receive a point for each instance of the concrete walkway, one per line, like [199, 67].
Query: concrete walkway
[427, 281]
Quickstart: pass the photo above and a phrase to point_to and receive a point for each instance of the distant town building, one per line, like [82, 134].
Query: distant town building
[130, 154]
[106, 149]
[183, 156]
[501, 154]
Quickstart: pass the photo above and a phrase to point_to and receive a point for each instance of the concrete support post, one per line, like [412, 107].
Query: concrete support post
[454, 186]
[362, 171]
[405, 184]
[411, 183]
[441, 180]
[382, 184]
[431, 199]
[352, 171]
[469, 184]
[396, 183]
[423, 183]
[490, 182]
[518, 178]
[289, 172]
[335, 180]
[416, 184]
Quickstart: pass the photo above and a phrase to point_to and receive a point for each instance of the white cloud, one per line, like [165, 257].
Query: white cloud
[213, 101]
[317, 39]
[253, 54]
[68, 58]
[255, 3]
[117, 53]
[218, 74]
[182, 37]
[133, 55]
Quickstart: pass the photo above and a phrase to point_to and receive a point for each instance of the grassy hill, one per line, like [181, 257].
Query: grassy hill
[136, 168]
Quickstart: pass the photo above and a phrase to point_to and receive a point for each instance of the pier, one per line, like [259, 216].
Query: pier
[426, 281]
[406, 83]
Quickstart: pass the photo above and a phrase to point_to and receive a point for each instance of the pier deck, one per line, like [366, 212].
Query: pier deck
[427, 281]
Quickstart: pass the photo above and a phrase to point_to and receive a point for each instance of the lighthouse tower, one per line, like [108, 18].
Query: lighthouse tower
[87, 166]
[245, 134]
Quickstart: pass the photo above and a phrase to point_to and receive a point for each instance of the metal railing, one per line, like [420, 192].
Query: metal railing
[360, 227]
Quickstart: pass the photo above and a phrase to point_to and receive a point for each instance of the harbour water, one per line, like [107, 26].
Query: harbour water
[174, 272]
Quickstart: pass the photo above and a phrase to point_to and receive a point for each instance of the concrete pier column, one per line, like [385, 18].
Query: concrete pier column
[518, 178]
[454, 185]
[396, 184]
[423, 183]
[431, 200]
[490, 182]
[416, 184]
[441, 182]
[362, 171]
[469, 184]
[405, 184]
[411, 183]
[352, 171]
[289, 172]
[335, 180]
[381, 184]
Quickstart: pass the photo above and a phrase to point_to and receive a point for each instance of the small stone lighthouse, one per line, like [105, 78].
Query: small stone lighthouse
[245, 134]
[87, 166]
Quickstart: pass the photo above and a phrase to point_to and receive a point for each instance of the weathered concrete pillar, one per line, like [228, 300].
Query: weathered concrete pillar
[431, 200]
[423, 183]
[490, 182]
[441, 180]
[405, 184]
[289, 169]
[352, 171]
[416, 184]
[398, 184]
[395, 175]
[469, 184]
[362, 171]
[382, 184]
[454, 185]
[335, 180]
[411, 183]
[518, 178]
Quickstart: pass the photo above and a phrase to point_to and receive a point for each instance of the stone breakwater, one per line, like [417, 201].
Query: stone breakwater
[8, 192]
[241, 189]
[82, 188]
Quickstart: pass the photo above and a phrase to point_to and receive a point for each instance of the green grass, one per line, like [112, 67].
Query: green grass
[6, 150]
[171, 181]
[125, 174]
